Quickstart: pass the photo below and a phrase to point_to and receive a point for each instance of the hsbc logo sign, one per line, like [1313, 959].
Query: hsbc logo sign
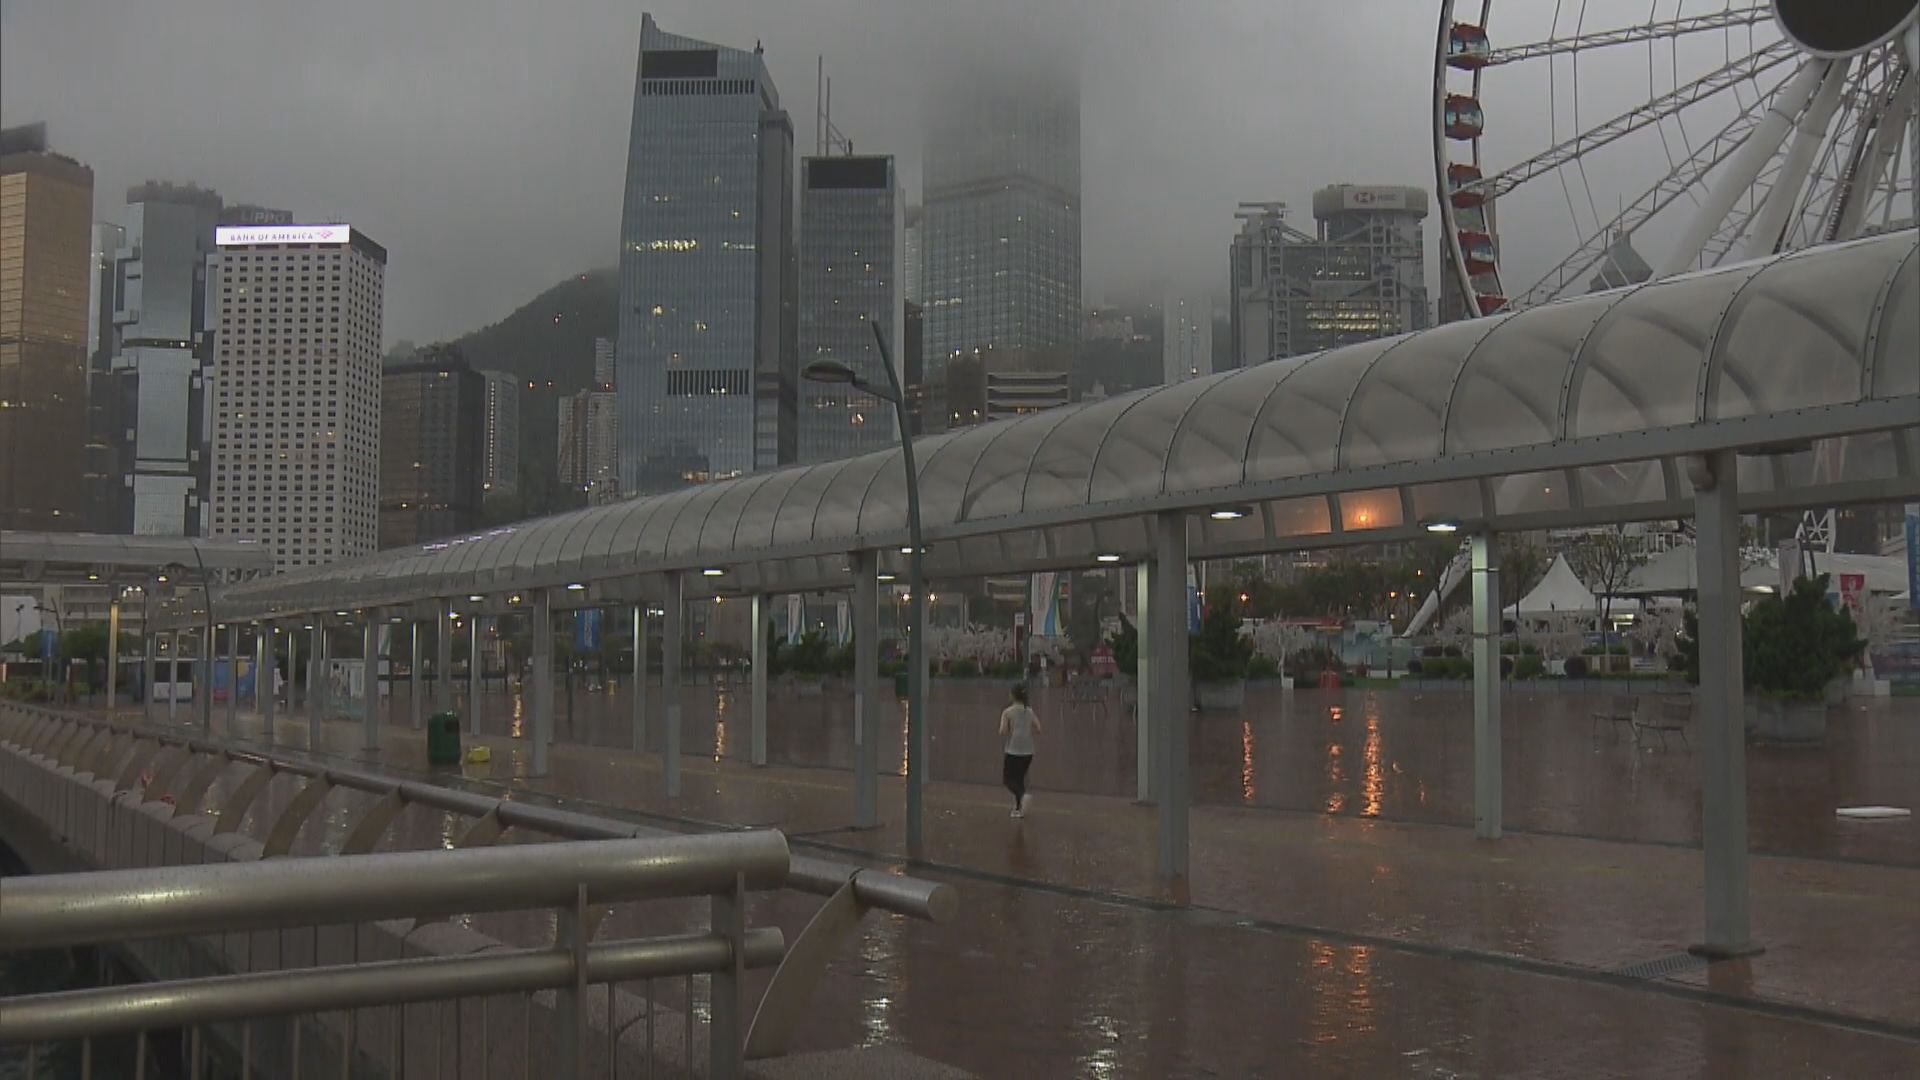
[242, 235]
[1376, 198]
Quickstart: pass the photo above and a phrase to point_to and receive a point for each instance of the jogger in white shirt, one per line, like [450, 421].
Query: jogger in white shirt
[1018, 724]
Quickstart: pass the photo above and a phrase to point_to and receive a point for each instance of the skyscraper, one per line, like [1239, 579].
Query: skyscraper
[1359, 276]
[46, 216]
[102, 466]
[852, 219]
[913, 252]
[296, 317]
[501, 474]
[433, 421]
[1002, 216]
[156, 412]
[706, 371]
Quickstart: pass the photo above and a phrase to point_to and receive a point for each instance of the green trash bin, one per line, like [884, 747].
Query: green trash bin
[443, 739]
[900, 688]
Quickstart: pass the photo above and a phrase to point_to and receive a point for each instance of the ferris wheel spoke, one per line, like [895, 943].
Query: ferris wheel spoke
[1627, 35]
[1867, 108]
[1668, 104]
[1681, 179]
[1808, 137]
[1879, 175]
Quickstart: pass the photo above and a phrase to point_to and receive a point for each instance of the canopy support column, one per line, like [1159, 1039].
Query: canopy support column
[866, 690]
[670, 635]
[640, 677]
[542, 618]
[233, 675]
[370, 681]
[266, 667]
[150, 644]
[293, 667]
[209, 647]
[443, 658]
[1172, 694]
[1486, 687]
[758, 741]
[317, 685]
[113, 651]
[1721, 706]
[416, 701]
[1143, 684]
[474, 673]
[173, 677]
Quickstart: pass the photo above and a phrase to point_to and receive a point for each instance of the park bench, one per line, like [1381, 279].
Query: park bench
[1621, 709]
[1673, 714]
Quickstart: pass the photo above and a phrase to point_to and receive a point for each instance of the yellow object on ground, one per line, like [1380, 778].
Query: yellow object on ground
[479, 755]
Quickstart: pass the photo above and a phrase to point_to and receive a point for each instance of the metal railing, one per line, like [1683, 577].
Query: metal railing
[115, 906]
[625, 862]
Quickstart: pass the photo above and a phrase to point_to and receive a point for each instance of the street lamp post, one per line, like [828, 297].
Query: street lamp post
[206, 595]
[833, 371]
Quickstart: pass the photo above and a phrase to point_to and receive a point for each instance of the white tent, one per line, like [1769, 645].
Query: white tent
[1672, 572]
[1561, 592]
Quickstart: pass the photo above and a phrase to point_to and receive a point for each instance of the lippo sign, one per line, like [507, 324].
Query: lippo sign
[244, 235]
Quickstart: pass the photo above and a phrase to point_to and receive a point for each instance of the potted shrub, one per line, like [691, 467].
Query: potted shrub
[1262, 669]
[1217, 659]
[1575, 667]
[1796, 651]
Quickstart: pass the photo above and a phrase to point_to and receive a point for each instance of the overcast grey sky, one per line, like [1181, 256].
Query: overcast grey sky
[484, 141]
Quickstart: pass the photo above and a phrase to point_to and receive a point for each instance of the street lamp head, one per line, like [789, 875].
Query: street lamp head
[1442, 526]
[828, 371]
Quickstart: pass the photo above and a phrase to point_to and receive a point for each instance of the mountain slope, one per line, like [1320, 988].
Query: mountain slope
[548, 343]
[550, 338]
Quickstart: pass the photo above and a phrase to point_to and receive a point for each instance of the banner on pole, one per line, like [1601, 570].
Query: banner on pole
[1913, 556]
[1046, 604]
[586, 630]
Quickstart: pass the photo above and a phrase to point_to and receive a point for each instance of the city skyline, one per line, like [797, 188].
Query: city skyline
[1151, 221]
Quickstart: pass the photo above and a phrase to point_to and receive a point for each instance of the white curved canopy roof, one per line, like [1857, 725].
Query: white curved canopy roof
[1570, 413]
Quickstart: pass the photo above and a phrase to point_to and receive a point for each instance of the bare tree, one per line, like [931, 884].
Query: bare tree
[1605, 560]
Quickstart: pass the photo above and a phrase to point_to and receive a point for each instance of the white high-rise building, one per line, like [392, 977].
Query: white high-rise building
[296, 314]
[502, 471]
[589, 424]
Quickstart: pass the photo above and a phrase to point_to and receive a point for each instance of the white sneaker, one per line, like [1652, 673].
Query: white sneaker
[1016, 813]
[1026, 802]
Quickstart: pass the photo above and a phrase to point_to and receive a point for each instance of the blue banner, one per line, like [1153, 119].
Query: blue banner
[49, 640]
[586, 630]
[1913, 557]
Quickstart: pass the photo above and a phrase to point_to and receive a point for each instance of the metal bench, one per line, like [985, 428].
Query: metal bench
[1674, 713]
[1621, 709]
[1087, 690]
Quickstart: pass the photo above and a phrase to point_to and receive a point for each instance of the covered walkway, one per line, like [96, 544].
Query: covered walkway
[1779, 384]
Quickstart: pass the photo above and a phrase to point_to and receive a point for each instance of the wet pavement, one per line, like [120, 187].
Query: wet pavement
[1339, 919]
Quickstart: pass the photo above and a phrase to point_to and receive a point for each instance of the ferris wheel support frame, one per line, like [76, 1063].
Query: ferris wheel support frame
[1745, 167]
[1808, 136]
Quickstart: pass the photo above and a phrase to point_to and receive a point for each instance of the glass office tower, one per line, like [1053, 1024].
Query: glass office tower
[1002, 219]
[706, 378]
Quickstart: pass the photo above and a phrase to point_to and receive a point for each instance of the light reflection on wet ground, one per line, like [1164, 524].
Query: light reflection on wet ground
[1047, 981]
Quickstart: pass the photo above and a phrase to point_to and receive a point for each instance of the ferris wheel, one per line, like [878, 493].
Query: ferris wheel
[1588, 144]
